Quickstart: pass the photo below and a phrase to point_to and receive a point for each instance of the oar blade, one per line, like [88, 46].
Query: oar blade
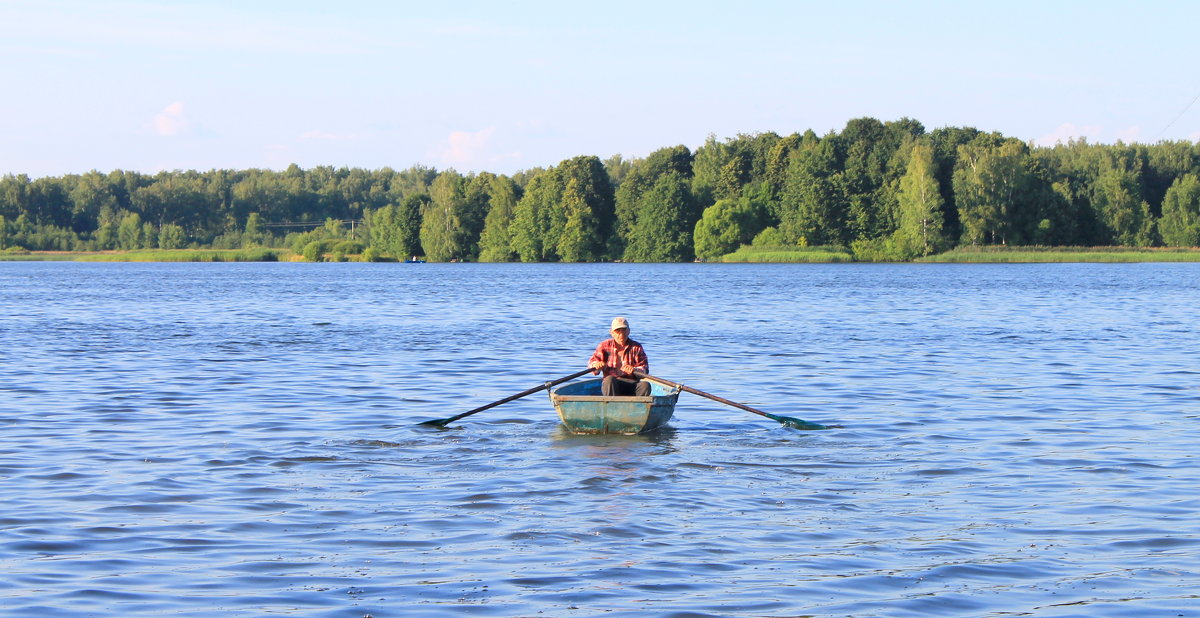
[437, 422]
[795, 423]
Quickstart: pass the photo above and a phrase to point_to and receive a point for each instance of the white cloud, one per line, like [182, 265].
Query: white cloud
[171, 121]
[473, 151]
[1066, 131]
[466, 148]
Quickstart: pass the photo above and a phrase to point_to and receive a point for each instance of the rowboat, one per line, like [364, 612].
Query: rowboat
[584, 410]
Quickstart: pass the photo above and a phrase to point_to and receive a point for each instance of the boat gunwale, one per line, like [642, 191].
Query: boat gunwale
[615, 398]
[672, 391]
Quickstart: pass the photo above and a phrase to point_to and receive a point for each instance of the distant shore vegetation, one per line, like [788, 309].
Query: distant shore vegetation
[744, 255]
[874, 191]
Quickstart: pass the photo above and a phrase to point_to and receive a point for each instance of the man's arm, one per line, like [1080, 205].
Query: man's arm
[643, 363]
[597, 361]
[637, 361]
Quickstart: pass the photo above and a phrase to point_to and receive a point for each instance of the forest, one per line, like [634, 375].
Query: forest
[882, 191]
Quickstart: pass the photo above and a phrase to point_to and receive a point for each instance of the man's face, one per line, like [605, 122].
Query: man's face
[621, 335]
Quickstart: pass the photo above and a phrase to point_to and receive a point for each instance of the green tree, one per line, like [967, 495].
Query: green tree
[1048, 216]
[590, 214]
[454, 219]
[920, 226]
[863, 161]
[617, 167]
[443, 234]
[48, 203]
[812, 209]
[780, 155]
[149, 235]
[728, 224]
[408, 221]
[14, 196]
[106, 231]
[706, 166]
[666, 219]
[395, 229]
[530, 230]
[253, 235]
[334, 228]
[541, 217]
[1165, 162]
[581, 239]
[314, 251]
[495, 242]
[171, 236]
[129, 233]
[1180, 223]
[945, 142]
[477, 198]
[734, 175]
[989, 183]
[769, 238]
[643, 174]
[384, 234]
[21, 232]
[276, 197]
[722, 168]
[1116, 198]
[184, 199]
[88, 194]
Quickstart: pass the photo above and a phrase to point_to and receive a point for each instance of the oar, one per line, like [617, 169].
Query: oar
[442, 422]
[787, 421]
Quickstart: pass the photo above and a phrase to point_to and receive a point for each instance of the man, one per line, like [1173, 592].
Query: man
[617, 359]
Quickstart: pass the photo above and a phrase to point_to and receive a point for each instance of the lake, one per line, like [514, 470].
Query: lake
[243, 440]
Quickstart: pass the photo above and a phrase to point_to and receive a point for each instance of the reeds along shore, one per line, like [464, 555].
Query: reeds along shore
[154, 255]
[1002, 254]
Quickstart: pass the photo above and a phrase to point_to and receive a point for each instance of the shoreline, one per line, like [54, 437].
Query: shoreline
[978, 255]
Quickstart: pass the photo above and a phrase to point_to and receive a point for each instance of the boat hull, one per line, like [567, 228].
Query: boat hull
[584, 410]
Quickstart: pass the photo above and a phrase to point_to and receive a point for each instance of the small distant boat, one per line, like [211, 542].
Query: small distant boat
[585, 411]
[414, 260]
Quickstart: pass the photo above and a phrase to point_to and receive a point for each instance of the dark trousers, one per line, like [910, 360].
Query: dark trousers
[624, 387]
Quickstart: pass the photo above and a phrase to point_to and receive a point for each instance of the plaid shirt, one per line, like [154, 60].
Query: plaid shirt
[614, 357]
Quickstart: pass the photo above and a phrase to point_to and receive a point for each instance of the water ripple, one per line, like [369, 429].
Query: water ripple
[241, 439]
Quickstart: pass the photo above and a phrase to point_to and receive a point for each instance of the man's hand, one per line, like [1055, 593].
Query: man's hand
[627, 369]
[596, 366]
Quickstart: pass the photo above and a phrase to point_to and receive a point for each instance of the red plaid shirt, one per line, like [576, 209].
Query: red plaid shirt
[614, 357]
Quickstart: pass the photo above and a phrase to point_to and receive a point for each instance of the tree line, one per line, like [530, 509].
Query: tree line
[883, 190]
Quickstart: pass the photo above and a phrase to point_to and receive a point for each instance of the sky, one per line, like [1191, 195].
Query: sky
[507, 86]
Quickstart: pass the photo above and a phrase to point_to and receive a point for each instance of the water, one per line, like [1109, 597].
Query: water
[241, 439]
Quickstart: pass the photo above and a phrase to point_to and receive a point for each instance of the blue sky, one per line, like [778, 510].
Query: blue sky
[505, 86]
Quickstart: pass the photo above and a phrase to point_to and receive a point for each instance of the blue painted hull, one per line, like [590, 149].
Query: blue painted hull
[584, 410]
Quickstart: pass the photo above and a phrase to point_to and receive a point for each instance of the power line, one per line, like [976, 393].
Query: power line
[1185, 110]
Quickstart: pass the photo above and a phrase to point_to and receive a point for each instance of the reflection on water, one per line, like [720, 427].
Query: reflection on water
[242, 439]
[661, 439]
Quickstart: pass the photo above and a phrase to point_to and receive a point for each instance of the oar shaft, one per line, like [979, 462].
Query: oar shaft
[695, 391]
[787, 421]
[509, 398]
